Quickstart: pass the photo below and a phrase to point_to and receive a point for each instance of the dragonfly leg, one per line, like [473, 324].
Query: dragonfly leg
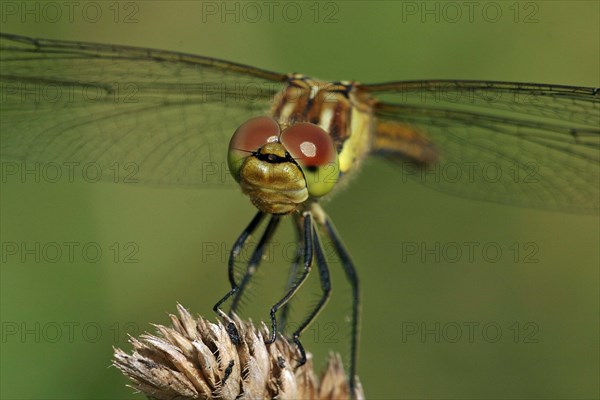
[326, 291]
[235, 251]
[254, 261]
[352, 277]
[293, 273]
[308, 256]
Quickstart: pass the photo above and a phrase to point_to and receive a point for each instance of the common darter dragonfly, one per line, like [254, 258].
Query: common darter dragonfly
[289, 140]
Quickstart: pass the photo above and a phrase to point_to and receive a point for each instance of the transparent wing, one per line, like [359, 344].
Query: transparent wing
[522, 144]
[143, 115]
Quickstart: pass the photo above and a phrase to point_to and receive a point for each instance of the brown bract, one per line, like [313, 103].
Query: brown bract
[196, 359]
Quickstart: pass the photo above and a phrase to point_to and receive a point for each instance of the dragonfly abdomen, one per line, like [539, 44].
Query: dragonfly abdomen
[403, 142]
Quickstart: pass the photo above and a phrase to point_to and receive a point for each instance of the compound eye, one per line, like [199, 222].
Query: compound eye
[308, 144]
[249, 137]
[313, 149]
[254, 133]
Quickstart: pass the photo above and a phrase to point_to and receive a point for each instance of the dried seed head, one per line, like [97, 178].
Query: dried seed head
[196, 359]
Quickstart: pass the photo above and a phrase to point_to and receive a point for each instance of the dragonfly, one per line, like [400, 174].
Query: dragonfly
[289, 141]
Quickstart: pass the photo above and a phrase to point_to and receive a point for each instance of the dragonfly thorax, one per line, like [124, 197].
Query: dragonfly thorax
[337, 107]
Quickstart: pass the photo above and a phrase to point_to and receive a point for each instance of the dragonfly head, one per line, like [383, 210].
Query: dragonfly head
[281, 170]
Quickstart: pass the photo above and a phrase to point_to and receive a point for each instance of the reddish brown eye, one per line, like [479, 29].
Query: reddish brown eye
[254, 133]
[309, 145]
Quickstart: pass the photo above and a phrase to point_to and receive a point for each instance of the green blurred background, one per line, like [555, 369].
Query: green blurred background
[551, 304]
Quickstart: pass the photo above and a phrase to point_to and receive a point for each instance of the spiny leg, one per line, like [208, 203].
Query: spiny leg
[285, 310]
[308, 255]
[254, 261]
[235, 251]
[352, 277]
[326, 289]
